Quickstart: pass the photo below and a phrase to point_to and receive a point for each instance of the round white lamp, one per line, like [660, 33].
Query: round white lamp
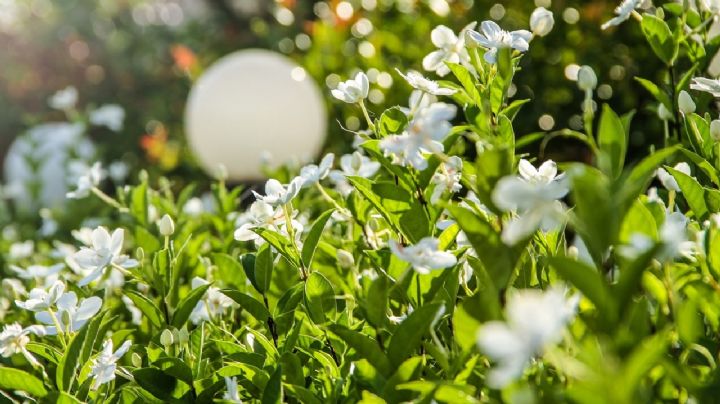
[252, 104]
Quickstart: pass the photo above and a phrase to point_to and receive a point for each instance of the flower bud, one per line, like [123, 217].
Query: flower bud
[715, 130]
[686, 103]
[541, 21]
[586, 78]
[136, 360]
[166, 338]
[664, 113]
[345, 259]
[166, 225]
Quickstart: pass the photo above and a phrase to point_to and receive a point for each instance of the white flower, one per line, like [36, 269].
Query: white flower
[493, 38]
[423, 256]
[87, 182]
[232, 394]
[541, 21]
[21, 250]
[707, 85]
[14, 339]
[106, 250]
[667, 180]
[311, 174]
[104, 365]
[417, 101]
[664, 113]
[212, 305]
[354, 90]
[447, 178]
[278, 194]
[451, 48]
[135, 313]
[712, 6]
[534, 196]
[535, 319]
[424, 134]
[70, 315]
[686, 105]
[623, 12]
[418, 82]
[40, 299]
[673, 234]
[37, 272]
[110, 115]
[194, 207]
[64, 99]
[263, 215]
[118, 171]
[352, 165]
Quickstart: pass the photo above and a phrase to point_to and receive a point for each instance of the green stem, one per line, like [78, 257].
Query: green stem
[108, 199]
[370, 123]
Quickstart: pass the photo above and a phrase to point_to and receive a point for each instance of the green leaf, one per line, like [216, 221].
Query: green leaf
[186, 306]
[498, 259]
[16, 379]
[660, 37]
[319, 299]
[248, 264]
[78, 352]
[280, 243]
[147, 307]
[408, 335]
[263, 268]
[660, 95]
[612, 142]
[365, 346]
[588, 281]
[249, 304]
[631, 277]
[692, 191]
[273, 393]
[302, 394]
[312, 239]
[392, 121]
[139, 202]
[155, 382]
[466, 79]
[703, 165]
[376, 303]
[230, 269]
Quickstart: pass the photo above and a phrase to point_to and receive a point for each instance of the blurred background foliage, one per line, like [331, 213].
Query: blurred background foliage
[144, 54]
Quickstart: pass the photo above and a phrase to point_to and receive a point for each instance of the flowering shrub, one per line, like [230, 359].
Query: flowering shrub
[435, 265]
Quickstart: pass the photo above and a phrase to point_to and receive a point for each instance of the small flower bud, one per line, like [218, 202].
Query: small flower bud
[222, 172]
[664, 113]
[541, 21]
[183, 336]
[166, 338]
[166, 226]
[345, 259]
[686, 103]
[586, 78]
[715, 129]
[136, 360]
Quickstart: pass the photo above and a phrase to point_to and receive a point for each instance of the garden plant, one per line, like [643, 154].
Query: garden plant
[437, 262]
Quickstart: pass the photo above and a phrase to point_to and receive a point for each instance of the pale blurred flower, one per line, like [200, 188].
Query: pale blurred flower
[278, 194]
[118, 171]
[21, 250]
[232, 394]
[64, 99]
[711, 86]
[91, 179]
[14, 339]
[353, 165]
[447, 178]
[37, 272]
[109, 115]
[40, 299]
[534, 320]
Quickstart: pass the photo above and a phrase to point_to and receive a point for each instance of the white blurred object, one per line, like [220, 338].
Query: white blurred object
[251, 103]
[36, 166]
